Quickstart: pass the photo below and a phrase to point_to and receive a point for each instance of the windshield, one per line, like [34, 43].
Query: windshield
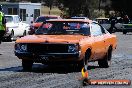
[42, 19]
[67, 28]
[9, 18]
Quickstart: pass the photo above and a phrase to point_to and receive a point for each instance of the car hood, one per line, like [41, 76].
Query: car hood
[51, 39]
[11, 24]
[38, 24]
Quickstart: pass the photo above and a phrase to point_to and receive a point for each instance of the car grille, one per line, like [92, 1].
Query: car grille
[36, 28]
[48, 48]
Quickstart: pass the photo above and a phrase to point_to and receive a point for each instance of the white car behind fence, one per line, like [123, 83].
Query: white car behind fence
[15, 27]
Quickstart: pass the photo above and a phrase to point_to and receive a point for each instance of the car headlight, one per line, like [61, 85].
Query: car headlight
[72, 48]
[21, 47]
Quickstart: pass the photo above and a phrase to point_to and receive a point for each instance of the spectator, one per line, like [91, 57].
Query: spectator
[2, 24]
[113, 21]
[61, 15]
[126, 19]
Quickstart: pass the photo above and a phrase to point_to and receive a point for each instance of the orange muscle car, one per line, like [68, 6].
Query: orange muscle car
[70, 41]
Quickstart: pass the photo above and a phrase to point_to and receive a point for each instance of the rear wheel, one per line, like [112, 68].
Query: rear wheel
[106, 61]
[27, 65]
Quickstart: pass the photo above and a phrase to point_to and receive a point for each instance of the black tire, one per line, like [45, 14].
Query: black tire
[9, 39]
[27, 65]
[106, 61]
[12, 34]
[124, 32]
[79, 66]
[24, 33]
[85, 61]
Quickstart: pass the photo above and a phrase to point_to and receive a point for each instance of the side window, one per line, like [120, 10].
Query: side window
[17, 19]
[96, 30]
[104, 31]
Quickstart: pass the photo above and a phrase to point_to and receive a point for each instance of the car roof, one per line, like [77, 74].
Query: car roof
[70, 20]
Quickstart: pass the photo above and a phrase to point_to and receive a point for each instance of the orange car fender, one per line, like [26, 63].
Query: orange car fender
[113, 42]
[110, 41]
[84, 48]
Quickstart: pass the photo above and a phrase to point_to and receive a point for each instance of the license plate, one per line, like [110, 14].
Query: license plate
[44, 57]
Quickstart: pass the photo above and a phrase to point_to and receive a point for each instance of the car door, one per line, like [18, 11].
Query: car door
[19, 31]
[16, 26]
[16, 30]
[107, 36]
[99, 42]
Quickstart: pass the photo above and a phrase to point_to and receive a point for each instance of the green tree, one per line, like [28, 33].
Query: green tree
[123, 6]
[75, 8]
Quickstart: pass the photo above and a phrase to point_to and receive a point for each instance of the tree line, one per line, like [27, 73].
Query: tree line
[123, 6]
[86, 7]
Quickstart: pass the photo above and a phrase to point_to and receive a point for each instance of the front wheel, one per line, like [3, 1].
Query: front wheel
[12, 35]
[27, 65]
[84, 62]
[106, 61]
[124, 32]
[9, 38]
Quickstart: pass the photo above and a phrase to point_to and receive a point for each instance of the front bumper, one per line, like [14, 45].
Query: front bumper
[48, 57]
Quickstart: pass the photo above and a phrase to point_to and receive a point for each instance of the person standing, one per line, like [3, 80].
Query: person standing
[113, 21]
[126, 19]
[2, 24]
